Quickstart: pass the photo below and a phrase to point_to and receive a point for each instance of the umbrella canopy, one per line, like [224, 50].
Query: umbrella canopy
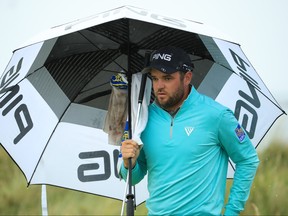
[54, 93]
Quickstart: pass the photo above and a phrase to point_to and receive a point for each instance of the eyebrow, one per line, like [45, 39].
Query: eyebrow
[164, 76]
[168, 75]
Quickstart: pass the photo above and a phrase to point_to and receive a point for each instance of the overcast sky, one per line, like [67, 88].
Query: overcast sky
[259, 26]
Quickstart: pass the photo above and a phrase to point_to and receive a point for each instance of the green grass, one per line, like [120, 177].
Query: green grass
[268, 194]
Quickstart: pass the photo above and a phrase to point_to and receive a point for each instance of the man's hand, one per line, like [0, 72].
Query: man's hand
[130, 149]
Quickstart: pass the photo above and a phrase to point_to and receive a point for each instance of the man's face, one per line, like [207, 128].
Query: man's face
[168, 89]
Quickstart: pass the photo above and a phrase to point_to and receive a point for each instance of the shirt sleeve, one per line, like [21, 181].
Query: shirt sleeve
[239, 148]
[138, 171]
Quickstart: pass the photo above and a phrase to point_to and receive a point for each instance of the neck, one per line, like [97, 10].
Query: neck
[173, 113]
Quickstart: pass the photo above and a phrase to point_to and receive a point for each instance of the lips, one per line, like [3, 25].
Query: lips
[161, 94]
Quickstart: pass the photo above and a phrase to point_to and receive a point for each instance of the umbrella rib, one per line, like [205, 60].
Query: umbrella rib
[256, 87]
[113, 31]
[270, 128]
[91, 42]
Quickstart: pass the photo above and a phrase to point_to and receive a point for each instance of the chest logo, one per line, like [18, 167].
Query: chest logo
[189, 130]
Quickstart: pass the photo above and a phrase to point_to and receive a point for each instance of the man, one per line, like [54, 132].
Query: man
[187, 142]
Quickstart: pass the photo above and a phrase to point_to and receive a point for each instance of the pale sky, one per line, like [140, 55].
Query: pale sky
[259, 26]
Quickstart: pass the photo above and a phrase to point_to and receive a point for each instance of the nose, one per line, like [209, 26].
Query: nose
[159, 84]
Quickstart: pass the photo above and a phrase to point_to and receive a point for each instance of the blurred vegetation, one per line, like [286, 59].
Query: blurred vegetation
[269, 193]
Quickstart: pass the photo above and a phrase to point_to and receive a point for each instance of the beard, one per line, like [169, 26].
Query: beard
[172, 100]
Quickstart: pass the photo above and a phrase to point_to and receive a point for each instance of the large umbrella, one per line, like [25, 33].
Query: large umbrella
[55, 93]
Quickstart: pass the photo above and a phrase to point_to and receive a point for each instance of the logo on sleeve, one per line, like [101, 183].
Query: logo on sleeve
[240, 133]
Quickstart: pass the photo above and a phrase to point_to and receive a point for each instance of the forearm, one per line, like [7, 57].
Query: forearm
[137, 173]
[240, 190]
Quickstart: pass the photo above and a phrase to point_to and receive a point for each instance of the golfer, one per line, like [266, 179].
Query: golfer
[187, 142]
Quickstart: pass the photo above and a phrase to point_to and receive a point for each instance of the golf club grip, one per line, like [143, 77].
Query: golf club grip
[144, 78]
[142, 88]
[147, 59]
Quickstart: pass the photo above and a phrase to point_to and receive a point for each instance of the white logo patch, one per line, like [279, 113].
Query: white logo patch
[189, 130]
[164, 56]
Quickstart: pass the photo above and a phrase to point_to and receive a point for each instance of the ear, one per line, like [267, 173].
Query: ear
[188, 77]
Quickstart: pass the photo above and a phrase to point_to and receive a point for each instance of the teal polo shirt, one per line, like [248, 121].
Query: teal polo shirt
[186, 158]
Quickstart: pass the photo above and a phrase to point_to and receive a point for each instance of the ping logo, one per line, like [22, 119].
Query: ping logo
[189, 130]
[12, 101]
[164, 56]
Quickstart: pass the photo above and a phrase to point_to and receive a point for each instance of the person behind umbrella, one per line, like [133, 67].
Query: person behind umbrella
[187, 142]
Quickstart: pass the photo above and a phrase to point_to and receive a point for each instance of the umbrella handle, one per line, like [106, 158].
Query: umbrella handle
[130, 195]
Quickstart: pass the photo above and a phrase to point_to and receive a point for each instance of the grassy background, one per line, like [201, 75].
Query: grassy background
[269, 193]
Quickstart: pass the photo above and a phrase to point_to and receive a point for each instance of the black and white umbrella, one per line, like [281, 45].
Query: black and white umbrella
[55, 91]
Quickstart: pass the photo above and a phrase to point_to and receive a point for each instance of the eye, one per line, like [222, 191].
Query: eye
[167, 78]
[154, 78]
